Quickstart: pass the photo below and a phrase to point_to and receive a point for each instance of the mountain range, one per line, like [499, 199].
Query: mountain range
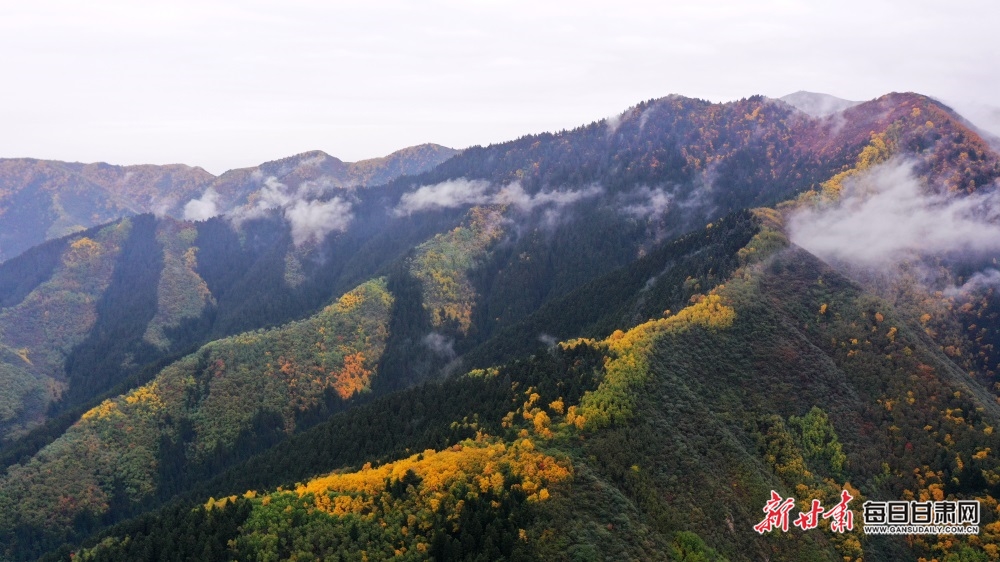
[44, 199]
[611, 342]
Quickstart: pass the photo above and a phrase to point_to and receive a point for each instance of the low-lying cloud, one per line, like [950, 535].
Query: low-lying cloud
[440, 344]
[313, 220]
[648, 202]
[981, 280]
[461, 192]
[309, 218]
[515, 195]
[886, 216]
[271, 196]
[274, 195]
[612, 123]
[445, 195]
[203, 208]
[549, 340]
[161, 207]
[313, 160]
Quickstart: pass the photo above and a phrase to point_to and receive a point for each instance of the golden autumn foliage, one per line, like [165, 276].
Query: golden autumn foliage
[103, 411]
[348, 302]
[343, 348]
[353, 378]
[404, 504]
[541, 422]
[479, 463]
[628, 365]
[443, 262]
[557, 406]
[145, 395]
[85, 246]
[879, 150]
[891, 334]
[142, 402]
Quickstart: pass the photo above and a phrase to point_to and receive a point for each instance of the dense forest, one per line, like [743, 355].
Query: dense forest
[592, 344]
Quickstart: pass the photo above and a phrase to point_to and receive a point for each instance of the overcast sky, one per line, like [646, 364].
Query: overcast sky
[232, 84]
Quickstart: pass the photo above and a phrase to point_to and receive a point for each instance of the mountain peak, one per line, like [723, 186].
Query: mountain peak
[817, 104]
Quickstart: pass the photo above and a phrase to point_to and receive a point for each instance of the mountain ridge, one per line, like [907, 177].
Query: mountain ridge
[594, 316]
[817, 104]
[65, 197]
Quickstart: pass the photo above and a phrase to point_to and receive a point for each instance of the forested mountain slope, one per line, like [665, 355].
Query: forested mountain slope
[579, 344]
[655, 443]
[239, 395]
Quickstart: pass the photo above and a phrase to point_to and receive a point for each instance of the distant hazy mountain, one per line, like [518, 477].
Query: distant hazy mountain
[41, 199]
[985, 117]
[316, 172]
[45, 199]
[817, 104]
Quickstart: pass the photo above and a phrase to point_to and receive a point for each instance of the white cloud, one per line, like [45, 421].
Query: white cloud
[448, 194]
[980, 280]
[161, 207]
[886, 216]
[440, 344]
[548, 340]
[318, 186]
[310, 219]
[203, 208]
[273, 195]
[313, 220]
[651, 202]
[612, 123]
[461, 192]
[313, 160]
[514, 194]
